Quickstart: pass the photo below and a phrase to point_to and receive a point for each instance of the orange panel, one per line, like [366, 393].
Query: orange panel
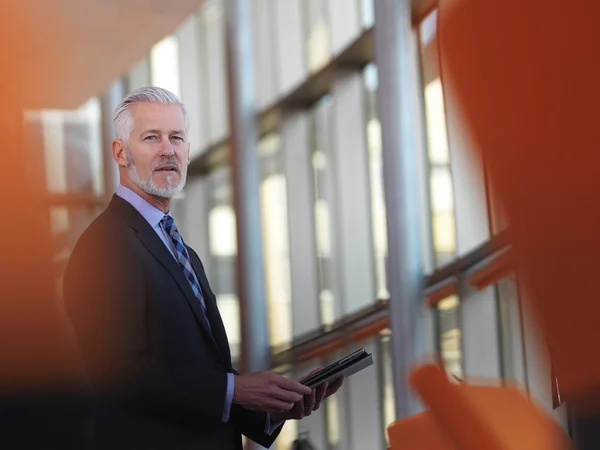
[482, 417]
[525, 74]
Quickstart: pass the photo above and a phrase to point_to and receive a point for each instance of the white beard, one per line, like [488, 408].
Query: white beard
[149, 186]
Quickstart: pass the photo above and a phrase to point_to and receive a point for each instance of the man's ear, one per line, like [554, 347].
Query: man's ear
[119, 153]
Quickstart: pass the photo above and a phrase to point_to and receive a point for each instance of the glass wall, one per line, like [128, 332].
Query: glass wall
[386, 356]
[514, 366]
[273, 200]
[338, 139]
[70, 142]
[450, 336]
[440, 175]
[322, 162]
[164, 65]
[318, 34]
[223, 253]
[378, 212]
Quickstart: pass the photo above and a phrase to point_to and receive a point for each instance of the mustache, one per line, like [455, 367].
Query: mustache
[164, 161]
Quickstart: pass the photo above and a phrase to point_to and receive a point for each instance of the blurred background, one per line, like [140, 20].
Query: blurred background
[324, 206]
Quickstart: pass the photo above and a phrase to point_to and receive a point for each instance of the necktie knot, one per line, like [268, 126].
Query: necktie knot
[168, 223]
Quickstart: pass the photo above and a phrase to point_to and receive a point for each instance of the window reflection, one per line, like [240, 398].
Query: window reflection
[273, 200]
[389, 405]
[229, 308]
[327, 301]
[367, 9]
[221, 221]
[66, 226]
[511, 326]
[72, 147]
[223, 250]
[440, 177]
[323, 212]
[289, 432]
[318, 43]
[437, 137]
[449, 335]
[378, 210]
[322, 223]
[164, 65]
[332, 417]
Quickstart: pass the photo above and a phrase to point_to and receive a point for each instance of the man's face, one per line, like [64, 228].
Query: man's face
[158, 151]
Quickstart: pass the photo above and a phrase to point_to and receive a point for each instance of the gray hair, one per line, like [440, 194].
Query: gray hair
[123, 122]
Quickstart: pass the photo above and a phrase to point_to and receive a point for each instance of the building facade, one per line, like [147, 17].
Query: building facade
[323, 204]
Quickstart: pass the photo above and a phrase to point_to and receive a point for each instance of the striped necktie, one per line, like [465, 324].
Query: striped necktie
[183, 258]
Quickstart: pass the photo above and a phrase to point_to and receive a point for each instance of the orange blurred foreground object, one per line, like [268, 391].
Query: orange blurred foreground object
[474, 417]
[526, 78]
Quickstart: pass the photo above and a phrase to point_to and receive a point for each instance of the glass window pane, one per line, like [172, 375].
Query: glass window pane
[389, 405]
[223, 251]
[54, 150]
[318, 43]
[378, 209]
[289, 433]
[273, 200]
[436, 123]
[444, 237]
[511, 330]
[324, 214]
[367, 13]
[442, 200]
[67, 225]
[449, 335]
[443, 214]
[164, 65]
[229, 307]
[72, 147]
[332, 415]
[222, 223]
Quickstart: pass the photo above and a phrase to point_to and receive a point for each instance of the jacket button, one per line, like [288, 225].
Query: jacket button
[219, 363]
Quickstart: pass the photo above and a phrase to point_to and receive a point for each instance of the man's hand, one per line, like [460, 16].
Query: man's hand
[268, 392]
[311, 402]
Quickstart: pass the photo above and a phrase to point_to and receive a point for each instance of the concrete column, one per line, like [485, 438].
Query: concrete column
[393, 55]
[245, 171]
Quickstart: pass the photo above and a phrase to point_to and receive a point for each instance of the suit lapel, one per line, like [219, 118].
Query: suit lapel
[152, 242]
[216, 322]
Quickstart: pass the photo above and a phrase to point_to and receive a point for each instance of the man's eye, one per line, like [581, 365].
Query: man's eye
[178, 137]
[147, 138]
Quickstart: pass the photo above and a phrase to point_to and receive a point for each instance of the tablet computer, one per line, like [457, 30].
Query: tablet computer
[345, 367]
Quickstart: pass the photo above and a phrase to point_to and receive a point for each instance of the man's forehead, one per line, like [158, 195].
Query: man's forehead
[158, 116]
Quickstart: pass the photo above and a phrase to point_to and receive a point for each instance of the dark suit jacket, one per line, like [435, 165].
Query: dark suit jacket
[158, 373]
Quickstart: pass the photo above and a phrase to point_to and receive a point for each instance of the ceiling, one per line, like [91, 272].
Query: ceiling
[58, 53]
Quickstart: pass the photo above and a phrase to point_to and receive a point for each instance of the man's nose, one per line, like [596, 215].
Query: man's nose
[167, 148]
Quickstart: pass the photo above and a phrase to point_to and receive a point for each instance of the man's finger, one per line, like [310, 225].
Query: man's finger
[297, 412]
[294, 386]
[320, 394]
[273, 405]
[309, 401]
[335, 386]
[285, 395]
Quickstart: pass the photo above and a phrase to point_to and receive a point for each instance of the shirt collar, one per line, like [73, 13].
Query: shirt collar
[151, 213]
